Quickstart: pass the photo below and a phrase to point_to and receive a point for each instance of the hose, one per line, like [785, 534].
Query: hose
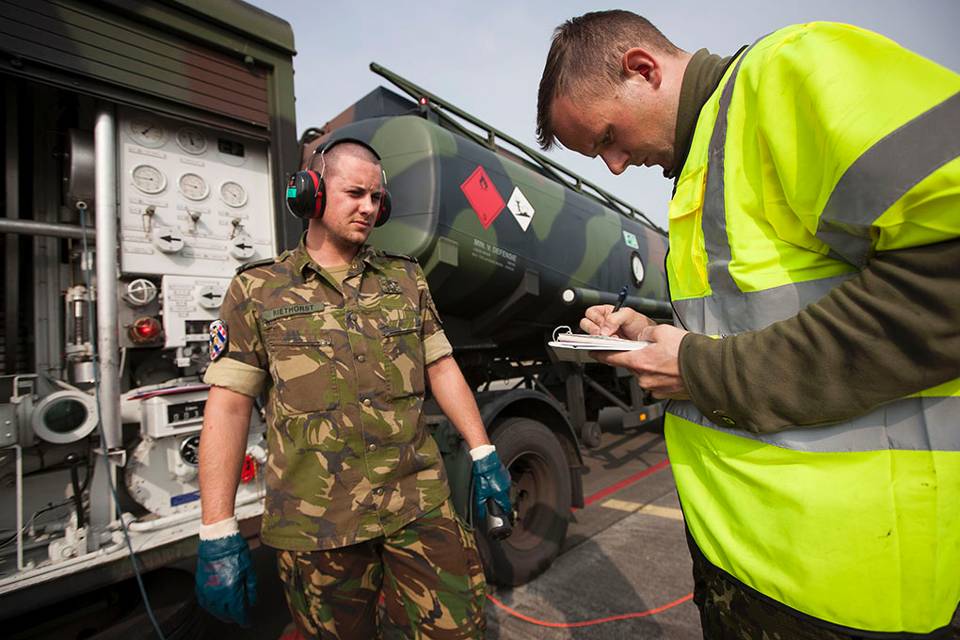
[589, 623]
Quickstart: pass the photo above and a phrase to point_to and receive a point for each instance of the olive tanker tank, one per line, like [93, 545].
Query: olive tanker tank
[510, 247]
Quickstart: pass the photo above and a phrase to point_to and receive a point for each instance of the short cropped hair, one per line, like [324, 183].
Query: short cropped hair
[331, 158]
[585, 59]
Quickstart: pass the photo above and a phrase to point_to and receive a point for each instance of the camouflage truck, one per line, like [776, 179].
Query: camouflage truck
[513, 246]
[145, 146]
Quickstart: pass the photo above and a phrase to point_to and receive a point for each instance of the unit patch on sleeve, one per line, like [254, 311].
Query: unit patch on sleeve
[218, 339]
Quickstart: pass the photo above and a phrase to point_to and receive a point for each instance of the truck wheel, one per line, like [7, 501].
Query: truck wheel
[591, 434]
[540, 494]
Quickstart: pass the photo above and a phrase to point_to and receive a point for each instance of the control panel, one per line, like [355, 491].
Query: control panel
[193, 200]
[189, 305]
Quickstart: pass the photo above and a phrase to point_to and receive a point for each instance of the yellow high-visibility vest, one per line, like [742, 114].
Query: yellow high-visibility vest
[822, 144]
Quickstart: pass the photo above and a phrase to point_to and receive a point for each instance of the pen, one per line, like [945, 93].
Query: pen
[621, 298]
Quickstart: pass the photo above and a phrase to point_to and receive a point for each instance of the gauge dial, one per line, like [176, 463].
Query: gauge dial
[233, 194]
[191, 140]
[193, 186]
[636, 265]
[148, 133]
[148, 179]
[190, 450]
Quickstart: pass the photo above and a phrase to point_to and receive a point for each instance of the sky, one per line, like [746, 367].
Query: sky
[487, 57]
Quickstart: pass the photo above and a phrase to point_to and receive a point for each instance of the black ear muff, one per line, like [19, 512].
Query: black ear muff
[384, 213]
[306, 197]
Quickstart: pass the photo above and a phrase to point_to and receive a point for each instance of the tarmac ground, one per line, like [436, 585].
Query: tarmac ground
[624, 571]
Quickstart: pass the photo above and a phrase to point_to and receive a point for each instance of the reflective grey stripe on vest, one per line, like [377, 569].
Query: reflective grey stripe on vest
[728, 310]
[714, 207]
[899, 161]
[884, 173]
[730, 314]
[907, 424]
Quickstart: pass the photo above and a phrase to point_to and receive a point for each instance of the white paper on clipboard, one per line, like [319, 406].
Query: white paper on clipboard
[574, 347]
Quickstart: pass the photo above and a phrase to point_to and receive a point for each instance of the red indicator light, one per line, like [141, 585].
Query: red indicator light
[423, 101]
[249, 470]
[145, 330]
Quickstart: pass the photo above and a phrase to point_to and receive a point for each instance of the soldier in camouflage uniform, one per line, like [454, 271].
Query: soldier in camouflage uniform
[343, 338]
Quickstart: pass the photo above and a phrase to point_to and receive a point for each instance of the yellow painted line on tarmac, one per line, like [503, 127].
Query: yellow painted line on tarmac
[650, 509]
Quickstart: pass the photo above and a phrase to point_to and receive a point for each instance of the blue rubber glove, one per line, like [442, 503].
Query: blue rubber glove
[226, 584]
[490, 480]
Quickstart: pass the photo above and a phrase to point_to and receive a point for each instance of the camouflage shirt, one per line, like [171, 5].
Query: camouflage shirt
[349, 456]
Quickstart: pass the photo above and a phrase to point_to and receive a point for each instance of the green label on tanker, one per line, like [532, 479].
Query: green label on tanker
[630, 240]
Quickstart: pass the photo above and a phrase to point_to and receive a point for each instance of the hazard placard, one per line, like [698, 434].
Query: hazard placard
[521, 208]
[483, 196]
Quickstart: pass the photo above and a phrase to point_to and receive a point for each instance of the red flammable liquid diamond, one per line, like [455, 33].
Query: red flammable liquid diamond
[483, 196]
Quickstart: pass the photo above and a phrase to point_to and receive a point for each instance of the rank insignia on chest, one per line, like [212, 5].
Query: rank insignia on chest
[388, 286]
[218, 339]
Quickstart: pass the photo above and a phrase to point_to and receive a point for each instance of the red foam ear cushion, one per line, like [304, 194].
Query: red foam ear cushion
[319, 195]
[383, 214]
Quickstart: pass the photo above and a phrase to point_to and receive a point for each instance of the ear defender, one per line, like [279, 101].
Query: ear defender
[384, 213]
[307, 194]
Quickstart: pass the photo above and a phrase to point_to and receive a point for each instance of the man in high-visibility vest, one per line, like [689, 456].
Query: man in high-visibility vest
[814, 270]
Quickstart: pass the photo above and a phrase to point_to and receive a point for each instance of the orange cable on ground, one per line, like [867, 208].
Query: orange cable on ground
[590, 623]
[599, 495]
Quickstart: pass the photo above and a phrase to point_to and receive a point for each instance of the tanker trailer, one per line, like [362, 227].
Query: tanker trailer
[144, 149]
[513, 245]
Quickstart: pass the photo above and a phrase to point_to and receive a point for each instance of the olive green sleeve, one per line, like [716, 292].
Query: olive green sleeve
[892, 330]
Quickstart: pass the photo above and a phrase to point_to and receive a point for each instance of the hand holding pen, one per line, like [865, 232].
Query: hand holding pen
[615, 320]
[657, 365]
[621, 298]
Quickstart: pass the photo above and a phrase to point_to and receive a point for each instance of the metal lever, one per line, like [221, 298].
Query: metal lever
[73, 460]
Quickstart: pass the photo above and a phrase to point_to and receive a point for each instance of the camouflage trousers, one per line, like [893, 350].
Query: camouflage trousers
[730, 610]
[429, 575]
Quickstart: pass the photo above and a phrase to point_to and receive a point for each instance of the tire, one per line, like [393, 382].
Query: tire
[540, 493]
[591, 435]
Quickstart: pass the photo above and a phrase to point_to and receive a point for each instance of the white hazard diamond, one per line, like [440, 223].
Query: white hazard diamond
[521, 208]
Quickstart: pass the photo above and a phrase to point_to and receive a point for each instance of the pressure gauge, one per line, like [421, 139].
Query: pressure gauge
[147, 133]
[636, 266]
[191, 140]
[233, 194]
[190, 450]
[193, 186]
[148, 178]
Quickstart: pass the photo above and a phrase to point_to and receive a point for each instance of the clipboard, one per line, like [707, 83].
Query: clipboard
[575, 347]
